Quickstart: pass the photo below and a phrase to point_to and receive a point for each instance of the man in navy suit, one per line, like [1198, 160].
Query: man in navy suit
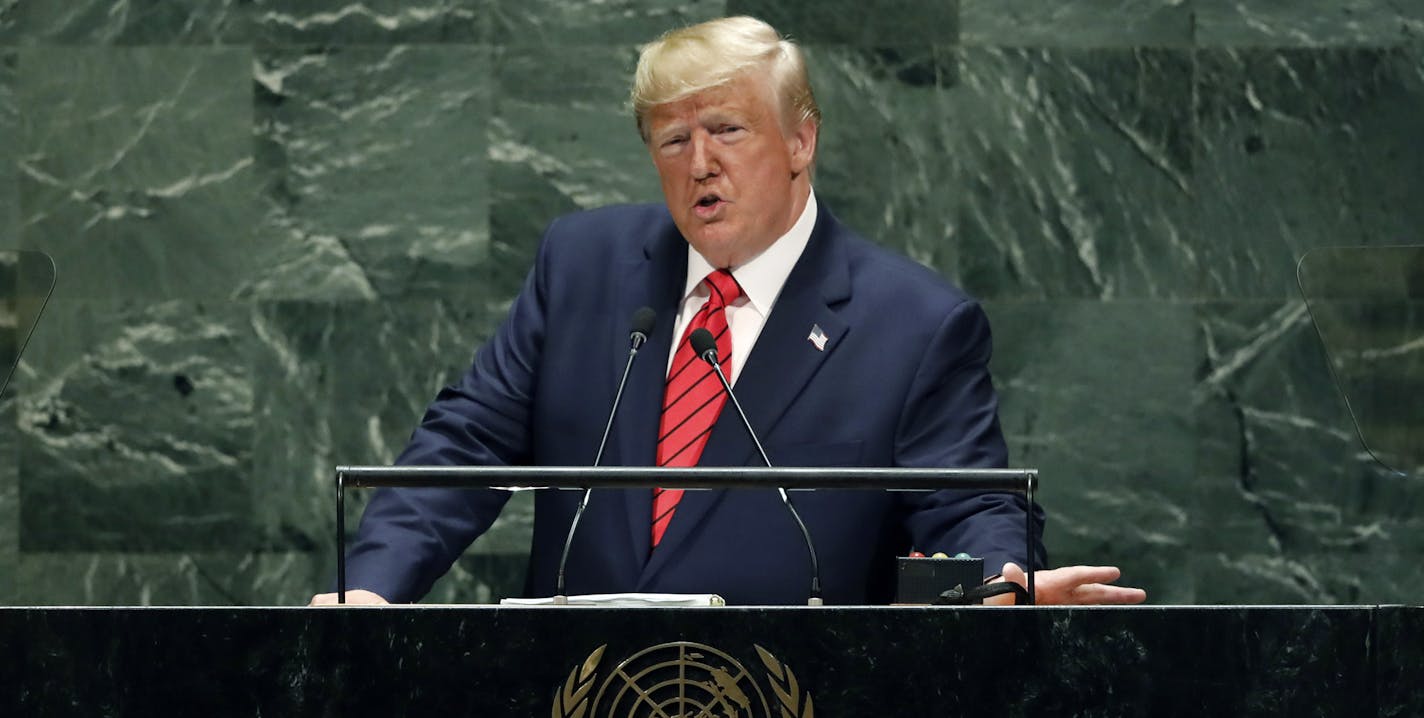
[842, 353]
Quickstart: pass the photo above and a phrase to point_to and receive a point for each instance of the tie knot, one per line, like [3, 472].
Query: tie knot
[725, 289]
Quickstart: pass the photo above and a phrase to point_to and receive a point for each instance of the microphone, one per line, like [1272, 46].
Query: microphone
[705, 347]
[642, 325]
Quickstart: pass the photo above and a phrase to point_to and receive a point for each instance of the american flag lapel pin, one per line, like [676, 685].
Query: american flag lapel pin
[817, 338]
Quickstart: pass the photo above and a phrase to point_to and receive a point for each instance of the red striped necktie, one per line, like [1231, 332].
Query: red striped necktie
[694, 396]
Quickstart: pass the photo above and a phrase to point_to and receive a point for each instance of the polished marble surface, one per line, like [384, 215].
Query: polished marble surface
[281, 226]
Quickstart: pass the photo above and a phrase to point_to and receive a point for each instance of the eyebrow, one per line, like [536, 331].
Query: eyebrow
[721, 116]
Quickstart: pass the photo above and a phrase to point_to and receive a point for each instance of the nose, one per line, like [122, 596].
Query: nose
[704, 157]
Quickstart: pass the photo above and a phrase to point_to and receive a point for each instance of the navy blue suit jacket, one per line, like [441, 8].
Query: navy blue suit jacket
[902, 381]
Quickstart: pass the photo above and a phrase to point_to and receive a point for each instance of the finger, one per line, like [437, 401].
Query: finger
[1079, 575]
[1012, 572]
[1007, 574]
[355, 597]
[1099, 594]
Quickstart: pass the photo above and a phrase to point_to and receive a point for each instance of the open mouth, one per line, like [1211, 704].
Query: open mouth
[708, 206]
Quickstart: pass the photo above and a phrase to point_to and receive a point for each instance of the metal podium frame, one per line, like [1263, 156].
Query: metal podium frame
[1020, 481]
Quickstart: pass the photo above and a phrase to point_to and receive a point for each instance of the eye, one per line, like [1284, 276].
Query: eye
[671, 147]
[729, 129]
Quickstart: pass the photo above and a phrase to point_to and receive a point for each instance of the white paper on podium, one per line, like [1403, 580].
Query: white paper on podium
[627, 600]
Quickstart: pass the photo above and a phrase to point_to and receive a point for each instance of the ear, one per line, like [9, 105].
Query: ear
[802, 145]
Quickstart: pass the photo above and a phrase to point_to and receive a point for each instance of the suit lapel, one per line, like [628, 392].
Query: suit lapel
[653, 279]
[777, 371]
[784, 358]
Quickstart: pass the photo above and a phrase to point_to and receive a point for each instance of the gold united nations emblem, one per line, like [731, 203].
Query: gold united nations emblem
[681, 680]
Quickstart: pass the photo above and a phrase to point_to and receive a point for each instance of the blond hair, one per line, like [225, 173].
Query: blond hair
[689, 60]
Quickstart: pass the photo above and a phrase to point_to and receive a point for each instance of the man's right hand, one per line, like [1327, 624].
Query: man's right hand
[356, 597]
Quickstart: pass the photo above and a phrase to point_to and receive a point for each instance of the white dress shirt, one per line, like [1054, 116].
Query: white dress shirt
[761, 280]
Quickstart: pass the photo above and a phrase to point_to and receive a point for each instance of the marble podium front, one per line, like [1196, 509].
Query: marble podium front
[487, 661]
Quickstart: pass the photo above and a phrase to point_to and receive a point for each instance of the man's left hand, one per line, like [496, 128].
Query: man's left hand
[1071, 586]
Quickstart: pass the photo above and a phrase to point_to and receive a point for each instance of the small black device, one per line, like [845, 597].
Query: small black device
[923, 580]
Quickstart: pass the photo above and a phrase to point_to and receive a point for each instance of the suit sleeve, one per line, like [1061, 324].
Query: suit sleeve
[408, 538]
[951, 420]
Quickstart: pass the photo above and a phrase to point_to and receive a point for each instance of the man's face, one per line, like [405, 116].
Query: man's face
[733, 179]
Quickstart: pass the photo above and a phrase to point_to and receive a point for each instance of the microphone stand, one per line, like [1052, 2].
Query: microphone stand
[643, 320]
[709, 355]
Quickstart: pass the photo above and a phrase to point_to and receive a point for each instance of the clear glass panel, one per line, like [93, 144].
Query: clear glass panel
[26, 281]
[1368, 308]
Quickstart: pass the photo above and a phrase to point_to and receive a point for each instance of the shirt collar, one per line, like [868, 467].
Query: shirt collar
[761, 278]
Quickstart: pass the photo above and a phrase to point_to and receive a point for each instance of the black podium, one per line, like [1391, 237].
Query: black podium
[585, 662]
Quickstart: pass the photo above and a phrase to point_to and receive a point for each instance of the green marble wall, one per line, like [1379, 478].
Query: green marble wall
[281, 225]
